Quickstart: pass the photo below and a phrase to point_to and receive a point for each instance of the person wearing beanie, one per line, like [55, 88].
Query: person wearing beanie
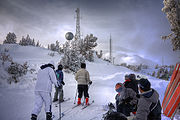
[125, 99]
[60, 76]
[149, 107]
[131, 82]
[43, 88]
[83, 80]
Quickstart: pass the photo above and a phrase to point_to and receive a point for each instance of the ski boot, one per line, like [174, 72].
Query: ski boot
[87, 101]
[48, 115]
[79, 101]
[33, 117]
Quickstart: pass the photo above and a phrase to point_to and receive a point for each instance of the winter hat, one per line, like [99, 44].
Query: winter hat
[83, 65]
[119, 87]
[132, 76]
[126, 76]
[60, 67]
[144, 84]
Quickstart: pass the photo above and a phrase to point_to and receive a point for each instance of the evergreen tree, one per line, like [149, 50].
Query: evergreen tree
[10, 39]
[154, 73]
[37, 44]
[71, 59]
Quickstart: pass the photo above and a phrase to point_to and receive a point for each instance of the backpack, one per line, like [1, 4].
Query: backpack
[59, 75]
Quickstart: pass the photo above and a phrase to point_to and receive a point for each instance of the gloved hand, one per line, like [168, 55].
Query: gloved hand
[130, 117]
[90, 82]
[137, 95]
[59, 84]
[63, 83]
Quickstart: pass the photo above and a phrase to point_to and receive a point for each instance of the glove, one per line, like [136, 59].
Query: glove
[90, 82]
[111, 106]
[137, 95]
[59, 84]
[63, 83]
[130, 118]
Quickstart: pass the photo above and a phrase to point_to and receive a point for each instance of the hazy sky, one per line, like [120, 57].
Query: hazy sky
[133, 24]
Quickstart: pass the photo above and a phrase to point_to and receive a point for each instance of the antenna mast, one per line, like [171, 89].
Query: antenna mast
[110, 54]
[78, 34]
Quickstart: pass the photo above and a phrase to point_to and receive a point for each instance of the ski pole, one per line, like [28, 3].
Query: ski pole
[59, 104]
[75, 96]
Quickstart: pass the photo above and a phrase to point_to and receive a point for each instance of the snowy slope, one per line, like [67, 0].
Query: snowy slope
[16, 102]
[129, 57]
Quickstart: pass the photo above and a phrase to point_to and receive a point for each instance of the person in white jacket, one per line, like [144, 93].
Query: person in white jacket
[45, 78]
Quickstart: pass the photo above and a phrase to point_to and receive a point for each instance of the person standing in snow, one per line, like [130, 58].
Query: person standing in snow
[131, 82]
[45, 78]
[126, 99]
[59, 75]
[83, 80]
[149, 107]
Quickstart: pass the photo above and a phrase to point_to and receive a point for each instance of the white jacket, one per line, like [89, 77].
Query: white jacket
[45, 78]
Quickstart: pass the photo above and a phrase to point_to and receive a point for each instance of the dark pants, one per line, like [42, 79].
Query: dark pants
[83, 89]
[125, 108]
[59, 90]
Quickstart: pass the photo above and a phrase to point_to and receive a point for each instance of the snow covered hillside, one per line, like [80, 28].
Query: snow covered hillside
[129, 57]
[17, 100]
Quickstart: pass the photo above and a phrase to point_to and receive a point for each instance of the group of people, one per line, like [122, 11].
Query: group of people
[46, 77]
[137, 100]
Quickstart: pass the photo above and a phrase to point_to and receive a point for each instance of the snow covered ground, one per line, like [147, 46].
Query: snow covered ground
[17, 100]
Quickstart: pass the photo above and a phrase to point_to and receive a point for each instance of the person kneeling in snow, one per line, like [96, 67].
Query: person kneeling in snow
[83, 80]
[59, 75]
[149, 107]
[45, 78]
[126, 99]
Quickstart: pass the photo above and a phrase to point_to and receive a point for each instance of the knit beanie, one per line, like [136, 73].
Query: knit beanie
[144, 84]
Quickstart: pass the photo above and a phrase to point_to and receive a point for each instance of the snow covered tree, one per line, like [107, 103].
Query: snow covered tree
[53, 47]
[123, 64]
[157, 66]
[57, 46]
[27, 41]
[10, 39]
[100, 54]
[22, 41]
[5, 57]
[172, 10]
[17, 70]
[71, 59]
[48, 46]
[38, 44]
[85, 46]
[154, 73]
[33, 42]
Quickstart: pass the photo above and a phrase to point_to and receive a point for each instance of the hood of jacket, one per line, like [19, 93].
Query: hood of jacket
[151, 95]
[47, 65]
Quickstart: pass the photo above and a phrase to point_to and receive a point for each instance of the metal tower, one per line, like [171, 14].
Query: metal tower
[78, 34]
[110, 49]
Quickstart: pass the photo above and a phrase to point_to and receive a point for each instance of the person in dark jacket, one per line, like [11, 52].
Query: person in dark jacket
[60, 76]
[149, 107]
[126, 99]
[131, 82]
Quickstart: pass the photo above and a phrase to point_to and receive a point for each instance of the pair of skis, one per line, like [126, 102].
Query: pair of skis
[65, 100]
[62, 114]
[69, 110]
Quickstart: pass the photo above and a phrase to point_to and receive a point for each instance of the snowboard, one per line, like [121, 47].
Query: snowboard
[172, 94]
